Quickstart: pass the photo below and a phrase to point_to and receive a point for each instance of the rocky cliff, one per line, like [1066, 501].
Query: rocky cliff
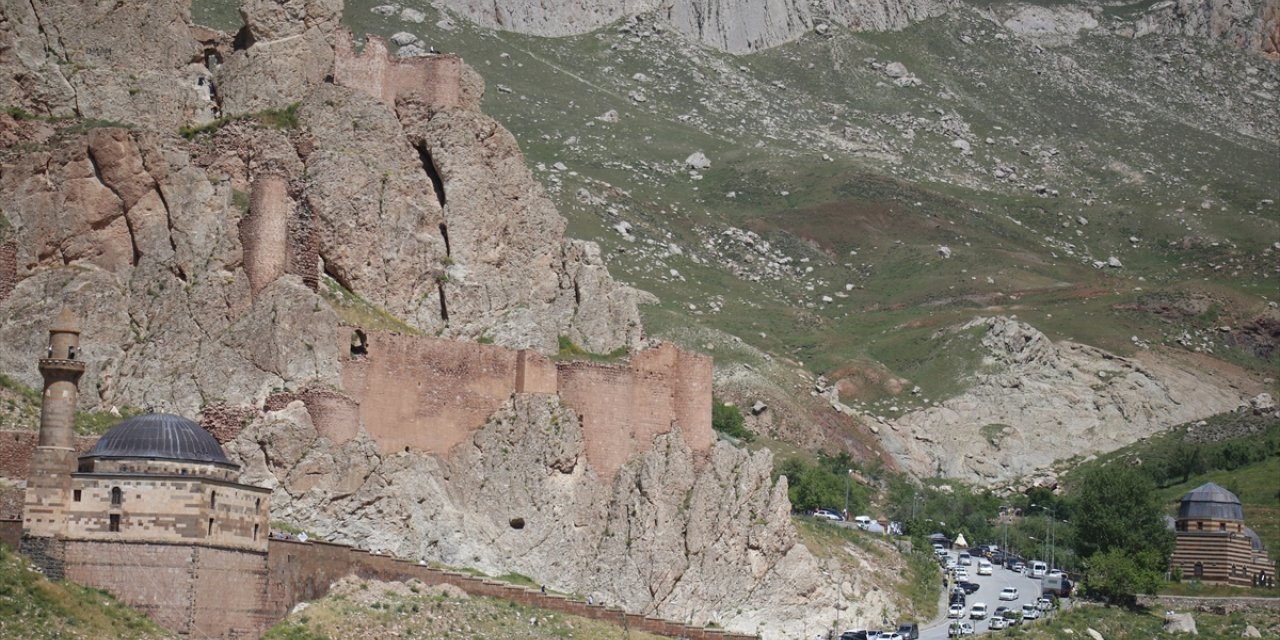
[738, 26]
[194, 262]
[1033, 399]
[1253, 25]
[685, 537]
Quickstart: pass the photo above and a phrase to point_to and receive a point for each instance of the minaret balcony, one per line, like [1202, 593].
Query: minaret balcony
[62, 364]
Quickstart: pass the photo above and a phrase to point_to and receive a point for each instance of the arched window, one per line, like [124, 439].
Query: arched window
[255, 533]
[213, 499]
[117, 496]
[257, 505]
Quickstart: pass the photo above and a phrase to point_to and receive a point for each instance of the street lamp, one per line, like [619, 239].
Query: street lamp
[1048, 533]
[847, 476]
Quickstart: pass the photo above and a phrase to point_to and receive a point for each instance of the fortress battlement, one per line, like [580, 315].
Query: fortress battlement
[436, 78]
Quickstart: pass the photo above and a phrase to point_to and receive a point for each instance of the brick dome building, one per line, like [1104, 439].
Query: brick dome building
[1213, 543]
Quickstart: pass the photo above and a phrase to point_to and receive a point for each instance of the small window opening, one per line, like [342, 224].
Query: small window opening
[117, 496]
[359, 343]
[210, 526]
[113, 522]
[517, 523]
[75, 495]
[213, 499]
[1222, 526]
[255, 533]
[257, 506]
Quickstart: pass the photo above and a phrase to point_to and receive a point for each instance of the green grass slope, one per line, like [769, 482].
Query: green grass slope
[33, 608]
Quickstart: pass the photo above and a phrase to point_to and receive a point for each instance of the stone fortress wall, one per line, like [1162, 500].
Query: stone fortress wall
[437, 79]
[426, 394]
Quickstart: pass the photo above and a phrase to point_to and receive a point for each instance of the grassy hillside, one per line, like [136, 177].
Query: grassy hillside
[1122, 623]
[33, 608]
[358, 609]
[816, 234]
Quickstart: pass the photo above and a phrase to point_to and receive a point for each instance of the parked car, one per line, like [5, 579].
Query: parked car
[984, 567]
[965, 558]
[960, 628]
[1044, 604]
[863, 521]
[1030, 612]
[978, 611]
[962, 573]
[968, 587]
[888, 635]
[1009, 593]
[909, 631]
[827, 514]
[855, 634]
[997, 623]
[957, 597]
[1012, 616]
[956, 611]
[1020, 567]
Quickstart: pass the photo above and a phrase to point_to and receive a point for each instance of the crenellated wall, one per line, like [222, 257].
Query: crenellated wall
[429, 395]
[436, 79]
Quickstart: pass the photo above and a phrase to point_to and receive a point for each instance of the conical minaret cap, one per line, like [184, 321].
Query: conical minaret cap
[66, 322]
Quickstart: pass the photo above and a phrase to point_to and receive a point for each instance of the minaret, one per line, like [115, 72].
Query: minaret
[44, 512]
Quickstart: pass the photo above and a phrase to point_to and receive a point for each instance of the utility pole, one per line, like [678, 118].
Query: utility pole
[847, 476]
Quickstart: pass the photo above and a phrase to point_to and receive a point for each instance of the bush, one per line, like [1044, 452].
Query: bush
[727, 419]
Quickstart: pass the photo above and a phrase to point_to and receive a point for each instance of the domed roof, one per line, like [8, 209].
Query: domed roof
[1210, 502]
[160, 435]
[1254, 540]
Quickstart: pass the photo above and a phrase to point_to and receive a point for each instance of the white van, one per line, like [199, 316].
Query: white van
[965, 558]
[984, 567]
[1038, 569]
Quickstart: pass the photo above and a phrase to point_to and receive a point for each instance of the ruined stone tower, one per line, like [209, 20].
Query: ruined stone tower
[44, 511]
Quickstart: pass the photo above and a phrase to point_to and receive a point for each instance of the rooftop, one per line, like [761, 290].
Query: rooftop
[161, 436]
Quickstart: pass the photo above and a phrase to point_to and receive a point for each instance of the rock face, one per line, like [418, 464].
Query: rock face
[707, 540]
[63, 58]
[1253, 25]
[1032, 399]
[737, 26]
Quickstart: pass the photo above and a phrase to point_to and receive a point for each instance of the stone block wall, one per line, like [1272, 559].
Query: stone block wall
[8, 268]
[430, 395]
[436, 79]
[169, 509]
[303, 571]
[424, 393]
[17, 447]
[11, 532]
[191, 590]
[264, 231]
[624, 406]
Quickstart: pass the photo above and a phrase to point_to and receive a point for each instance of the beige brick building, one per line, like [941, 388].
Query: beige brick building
[153, 512]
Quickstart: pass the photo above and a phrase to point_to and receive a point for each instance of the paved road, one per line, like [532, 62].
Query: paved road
[988, 593]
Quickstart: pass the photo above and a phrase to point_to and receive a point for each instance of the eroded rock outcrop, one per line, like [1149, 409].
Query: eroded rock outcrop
[687, 538]
[1032, 399]
[1252, 25]
[738, 26]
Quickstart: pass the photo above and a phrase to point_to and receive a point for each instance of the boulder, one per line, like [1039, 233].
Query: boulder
[1179, 623]
[268, 20]
[697, 160]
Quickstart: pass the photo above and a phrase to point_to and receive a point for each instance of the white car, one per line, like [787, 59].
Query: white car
[827, 514]
[1009, 593]
[997, 624]
[1030, 612]
[984, 568]
[1044, 604]
[978, 611]
[962, 573]
[956, 611]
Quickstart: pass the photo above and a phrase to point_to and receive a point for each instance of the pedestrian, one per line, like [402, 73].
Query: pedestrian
[590, 601]
[544, 589]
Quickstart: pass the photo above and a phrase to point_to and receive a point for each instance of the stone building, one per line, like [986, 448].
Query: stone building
[153, 512]
[1213, 544]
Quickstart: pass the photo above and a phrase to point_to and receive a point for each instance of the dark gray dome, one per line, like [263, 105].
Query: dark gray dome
[160, 436]
[1254, 540]
[1210, 502]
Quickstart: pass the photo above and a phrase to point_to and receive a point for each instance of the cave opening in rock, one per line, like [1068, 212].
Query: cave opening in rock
[359, 343]
[444, 308]
[444, 233]
[517, 523]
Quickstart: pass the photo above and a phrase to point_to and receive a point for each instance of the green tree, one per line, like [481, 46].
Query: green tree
[1119, 576]
[727, 419]
[1119, 527]
[1117, 508]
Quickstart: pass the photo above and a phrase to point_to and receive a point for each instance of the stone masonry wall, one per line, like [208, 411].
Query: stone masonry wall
[264, 231]
[624, 407]
[8, 268]
[424, 393]
[17, 447]
[304, 571]
[11, 530]
[430, 395]
[436, 79]
[195, 591]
